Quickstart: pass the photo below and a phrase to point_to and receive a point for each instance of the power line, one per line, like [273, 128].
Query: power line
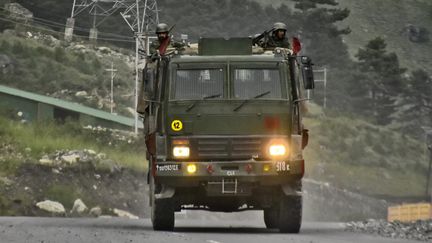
[50, 30]
[51, 23]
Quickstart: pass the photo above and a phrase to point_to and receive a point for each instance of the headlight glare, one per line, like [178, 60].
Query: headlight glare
[191, 168]
[277, 150]
[181, 152]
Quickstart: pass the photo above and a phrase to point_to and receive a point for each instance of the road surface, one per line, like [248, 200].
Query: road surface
[46, 230]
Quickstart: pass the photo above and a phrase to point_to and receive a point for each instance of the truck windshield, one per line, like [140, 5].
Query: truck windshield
[193, 84]
[249, 83]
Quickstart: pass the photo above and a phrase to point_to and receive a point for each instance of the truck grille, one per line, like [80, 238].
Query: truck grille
[226, 147]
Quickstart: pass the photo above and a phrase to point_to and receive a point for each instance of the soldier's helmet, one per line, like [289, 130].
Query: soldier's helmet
[280, 26]
[162, 28]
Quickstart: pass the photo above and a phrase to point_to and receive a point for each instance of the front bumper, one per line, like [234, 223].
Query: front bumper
[265, 173]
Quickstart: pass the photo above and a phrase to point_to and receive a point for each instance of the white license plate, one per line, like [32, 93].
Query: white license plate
[282, 166]
[168, 167]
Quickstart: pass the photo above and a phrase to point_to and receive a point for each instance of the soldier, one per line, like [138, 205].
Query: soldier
[277, 38]
[163, 41]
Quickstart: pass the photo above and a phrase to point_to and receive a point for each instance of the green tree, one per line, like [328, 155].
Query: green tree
[382, 80]
[416, 105]
[320, 32]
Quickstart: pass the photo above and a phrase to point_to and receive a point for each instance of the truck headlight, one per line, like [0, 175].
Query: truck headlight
[181, 152]
[277, 150]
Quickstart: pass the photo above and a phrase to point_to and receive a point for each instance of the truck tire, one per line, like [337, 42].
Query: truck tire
[271, 217]
[290, 214]
[162, 211]
[162, 214]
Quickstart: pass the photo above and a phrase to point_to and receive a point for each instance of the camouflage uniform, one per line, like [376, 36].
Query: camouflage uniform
[154, 46]
[274, 42]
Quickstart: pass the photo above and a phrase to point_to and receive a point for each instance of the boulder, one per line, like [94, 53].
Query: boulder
[81, 94]
[91, 152]
[104, 50]
[51, 206]
[78, 207]
[96, 211]
[5, 181]
[71, 158]
[45, 160]
[124, 214]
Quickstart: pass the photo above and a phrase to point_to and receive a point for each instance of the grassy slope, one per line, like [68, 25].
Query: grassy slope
[46, 138]
[359, 156]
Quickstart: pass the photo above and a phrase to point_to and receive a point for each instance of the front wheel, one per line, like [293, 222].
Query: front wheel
[271, 217]
[290, 214]
[162, 211]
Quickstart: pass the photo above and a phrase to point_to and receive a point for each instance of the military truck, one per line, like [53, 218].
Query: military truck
[224, 131]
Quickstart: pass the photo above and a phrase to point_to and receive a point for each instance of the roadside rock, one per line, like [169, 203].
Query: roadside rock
[101, 156]
[5, 181]
[78, 207]
[81, 94]
[96, 212]
[124, 214]
[90, 152]
[420, 230]
[71, 159]
[51, 206]
[45, 160]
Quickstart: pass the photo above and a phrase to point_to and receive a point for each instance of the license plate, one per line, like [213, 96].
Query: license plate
[168, 167]
[282, 166]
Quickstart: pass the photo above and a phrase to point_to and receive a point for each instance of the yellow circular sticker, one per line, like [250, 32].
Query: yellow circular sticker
[176, 125]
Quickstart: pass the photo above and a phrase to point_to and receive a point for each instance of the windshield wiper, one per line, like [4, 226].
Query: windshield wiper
[255, 97]
[203, 98]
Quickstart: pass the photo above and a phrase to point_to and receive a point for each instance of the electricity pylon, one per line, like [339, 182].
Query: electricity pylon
[140, 15]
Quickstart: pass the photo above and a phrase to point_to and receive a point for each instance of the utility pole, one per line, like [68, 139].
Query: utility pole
[142, 17]
[429, 174]
[428, 135]
[428, 156]
[113, 71]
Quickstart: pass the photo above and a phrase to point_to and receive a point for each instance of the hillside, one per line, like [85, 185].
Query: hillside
[38, 62]
[388, 19]
[353, 154]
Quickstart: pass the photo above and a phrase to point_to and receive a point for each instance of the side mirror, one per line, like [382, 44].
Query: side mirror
[307, 71]
[148, 81]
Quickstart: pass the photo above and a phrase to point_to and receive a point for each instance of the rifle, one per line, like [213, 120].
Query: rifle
[172, 27]
[256, 39]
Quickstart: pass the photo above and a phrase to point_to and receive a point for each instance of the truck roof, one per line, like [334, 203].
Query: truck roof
[223, 50]
[225, 58]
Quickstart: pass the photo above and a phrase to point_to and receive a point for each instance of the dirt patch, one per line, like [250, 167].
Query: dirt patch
[123, 189]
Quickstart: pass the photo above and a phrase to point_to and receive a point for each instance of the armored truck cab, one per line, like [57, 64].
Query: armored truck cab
[224, 132]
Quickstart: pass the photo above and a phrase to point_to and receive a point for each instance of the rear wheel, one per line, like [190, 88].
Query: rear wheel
[271, 217]
[290, 214]
[162, 212]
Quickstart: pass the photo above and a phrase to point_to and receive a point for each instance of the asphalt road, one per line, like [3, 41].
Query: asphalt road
[206, 230]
